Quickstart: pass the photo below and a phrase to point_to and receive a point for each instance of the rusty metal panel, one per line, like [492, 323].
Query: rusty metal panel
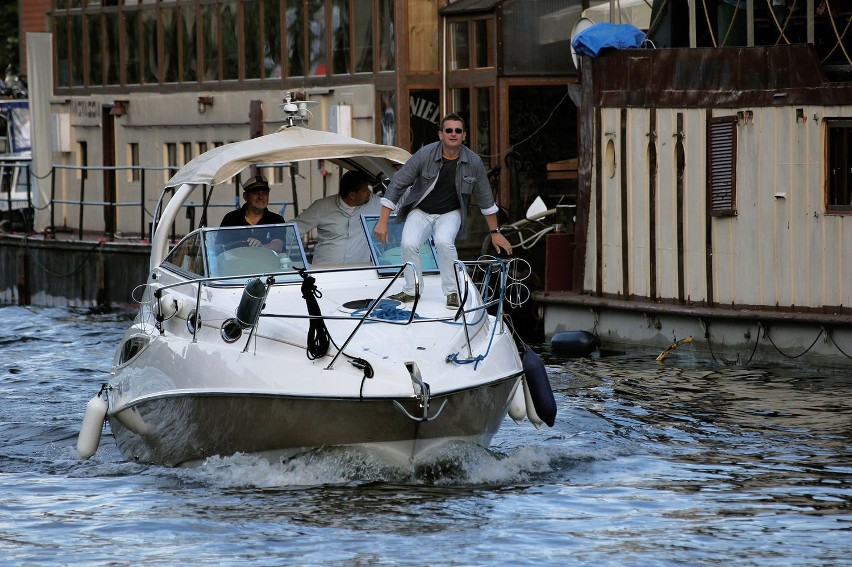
[705, 77]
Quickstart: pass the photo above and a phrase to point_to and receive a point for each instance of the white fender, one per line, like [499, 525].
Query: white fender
[90, 429]
[168, 305]
[517, 404]
[531, 413]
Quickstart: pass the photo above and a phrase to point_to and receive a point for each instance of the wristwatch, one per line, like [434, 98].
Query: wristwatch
[495, 231]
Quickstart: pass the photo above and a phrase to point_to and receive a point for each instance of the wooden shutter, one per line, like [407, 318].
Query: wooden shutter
[722, 165]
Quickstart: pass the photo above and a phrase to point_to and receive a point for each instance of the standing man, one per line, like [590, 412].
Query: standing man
[340, 236]
[442, 176]
[254, 212]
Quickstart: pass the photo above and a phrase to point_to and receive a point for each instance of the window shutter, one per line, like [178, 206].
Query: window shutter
[722, 165]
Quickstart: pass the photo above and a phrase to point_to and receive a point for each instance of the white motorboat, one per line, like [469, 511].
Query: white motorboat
[247, 350]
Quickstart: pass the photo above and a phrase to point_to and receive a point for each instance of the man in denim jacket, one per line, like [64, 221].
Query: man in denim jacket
[430, 193]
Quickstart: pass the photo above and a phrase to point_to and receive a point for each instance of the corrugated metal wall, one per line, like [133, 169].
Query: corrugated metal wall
[780, 249]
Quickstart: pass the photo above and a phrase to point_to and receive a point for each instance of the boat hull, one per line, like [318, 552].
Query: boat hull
[179, 429]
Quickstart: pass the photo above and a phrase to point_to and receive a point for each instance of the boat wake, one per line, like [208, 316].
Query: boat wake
[455, 465]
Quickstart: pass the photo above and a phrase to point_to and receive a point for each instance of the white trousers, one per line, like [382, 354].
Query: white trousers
[443, 229]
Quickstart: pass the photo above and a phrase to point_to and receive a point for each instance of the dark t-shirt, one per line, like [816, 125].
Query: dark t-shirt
[238, 218]
[261, 233]
[444, 197]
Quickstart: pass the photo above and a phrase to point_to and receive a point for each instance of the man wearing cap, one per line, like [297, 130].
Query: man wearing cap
[254, 212]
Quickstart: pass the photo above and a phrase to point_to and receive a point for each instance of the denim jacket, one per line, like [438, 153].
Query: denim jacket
[418, 175]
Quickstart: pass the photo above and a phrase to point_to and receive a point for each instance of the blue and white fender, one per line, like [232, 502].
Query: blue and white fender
[541, 405]
[92, 426]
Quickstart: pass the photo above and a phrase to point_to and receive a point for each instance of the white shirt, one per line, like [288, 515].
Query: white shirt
[340, 236]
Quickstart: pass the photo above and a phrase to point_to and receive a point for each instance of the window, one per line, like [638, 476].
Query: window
[387, 39]
[362, 42]
[252, 37]
[83, 159]
[838, 179]
[133, 159]
[95, 67]
[316, 38]
[483, 37]
[387, 102]
[188, 45]
[169, 29]
[722, 165]
[459, 46]
[151, 72]
[210, 42]
[230, 42]
[100, 43]
[171, 159]
[340, 40]
[272, 33]
[187, 256]
[295, 36]
[131, 48]
[187, 152]
[110, 60]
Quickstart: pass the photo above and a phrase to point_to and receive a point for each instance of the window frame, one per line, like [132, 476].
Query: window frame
[838, 159]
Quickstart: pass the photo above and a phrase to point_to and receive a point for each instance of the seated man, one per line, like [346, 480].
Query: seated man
[254, 212]
[340, 237]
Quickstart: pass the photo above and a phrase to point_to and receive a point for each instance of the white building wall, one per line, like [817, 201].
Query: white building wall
[781, 249]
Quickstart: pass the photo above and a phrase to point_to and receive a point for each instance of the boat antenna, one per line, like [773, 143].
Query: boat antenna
[296, 110]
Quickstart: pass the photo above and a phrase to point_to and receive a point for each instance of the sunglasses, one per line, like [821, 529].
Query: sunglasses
[456, 130]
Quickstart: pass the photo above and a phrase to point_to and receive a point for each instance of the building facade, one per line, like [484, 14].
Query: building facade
[145, 85]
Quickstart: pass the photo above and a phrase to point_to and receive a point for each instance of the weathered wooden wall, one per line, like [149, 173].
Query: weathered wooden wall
[34, 271]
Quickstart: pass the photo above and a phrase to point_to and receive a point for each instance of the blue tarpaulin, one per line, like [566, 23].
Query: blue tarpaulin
[600, 36]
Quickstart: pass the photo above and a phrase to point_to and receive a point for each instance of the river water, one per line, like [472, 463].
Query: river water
[681, 463]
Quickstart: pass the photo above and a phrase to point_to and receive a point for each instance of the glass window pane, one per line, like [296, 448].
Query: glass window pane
[149, 46]
[170, 45]
[340, 36]
[272, 39]
[316, 37]
[77, 57]
[483, 124]
[63, 62]
[388, 113]
[387, 50]
[363, 40]
[96, 76]
[460, 104]
[459, 50]
[251, 39]
[188, 44]
[131, 47]
[230, 43]
[295, 38]
[483, 35]
[210, 51]
[112, 49]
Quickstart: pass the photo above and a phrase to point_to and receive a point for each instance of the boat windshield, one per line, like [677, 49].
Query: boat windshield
[389, 254]
[250, 250]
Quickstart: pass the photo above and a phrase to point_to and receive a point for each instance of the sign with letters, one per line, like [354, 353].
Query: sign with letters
[85, 112]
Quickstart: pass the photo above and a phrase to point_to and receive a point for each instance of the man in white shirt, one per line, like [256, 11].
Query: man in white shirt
[340, 236]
